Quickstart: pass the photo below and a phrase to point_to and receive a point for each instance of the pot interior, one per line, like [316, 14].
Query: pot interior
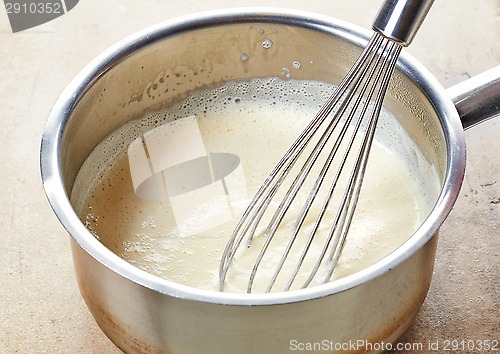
[155, 70]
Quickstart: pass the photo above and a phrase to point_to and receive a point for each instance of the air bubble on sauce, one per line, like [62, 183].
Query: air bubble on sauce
[244, 57]
[296, 64]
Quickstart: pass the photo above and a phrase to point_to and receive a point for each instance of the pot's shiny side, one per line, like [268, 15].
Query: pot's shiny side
[142, 313]
[138, 319]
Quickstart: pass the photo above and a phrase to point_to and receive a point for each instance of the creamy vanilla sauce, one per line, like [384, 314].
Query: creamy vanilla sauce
[178, 239]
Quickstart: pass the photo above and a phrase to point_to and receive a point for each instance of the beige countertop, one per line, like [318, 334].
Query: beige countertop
[41, 309]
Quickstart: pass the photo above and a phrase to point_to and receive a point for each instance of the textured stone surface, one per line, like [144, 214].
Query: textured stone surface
[41, 308]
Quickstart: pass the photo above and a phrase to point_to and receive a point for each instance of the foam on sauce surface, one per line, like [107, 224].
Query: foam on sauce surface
[164, 192]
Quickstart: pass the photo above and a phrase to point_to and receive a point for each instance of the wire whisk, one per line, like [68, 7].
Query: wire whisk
[335, 143]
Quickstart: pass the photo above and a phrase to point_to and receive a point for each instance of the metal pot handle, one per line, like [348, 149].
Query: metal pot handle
[478, 98]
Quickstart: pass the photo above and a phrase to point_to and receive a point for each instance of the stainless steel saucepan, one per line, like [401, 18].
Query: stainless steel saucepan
[143, 313]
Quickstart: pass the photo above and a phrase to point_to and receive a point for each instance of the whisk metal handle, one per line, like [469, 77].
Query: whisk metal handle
[400, 20]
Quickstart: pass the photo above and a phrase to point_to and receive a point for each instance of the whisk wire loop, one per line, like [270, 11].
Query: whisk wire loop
[284, 164]
[349, 96]
[362, 160]
[341, 223]
[350, 102]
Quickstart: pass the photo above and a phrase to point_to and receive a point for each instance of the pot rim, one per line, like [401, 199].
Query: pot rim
[51, 172]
